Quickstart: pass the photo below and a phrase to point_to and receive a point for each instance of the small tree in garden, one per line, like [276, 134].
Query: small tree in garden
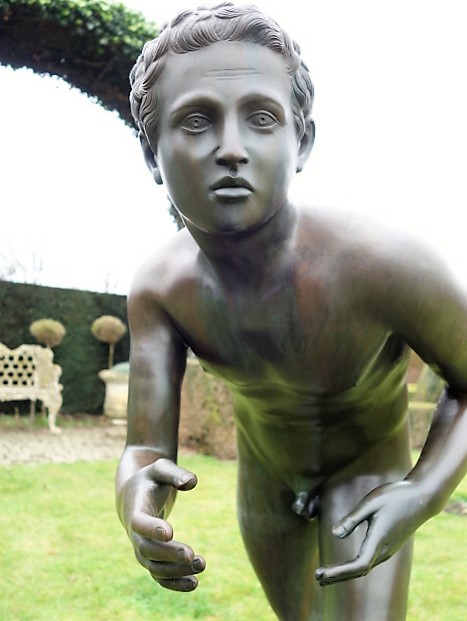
[108, 329]
[49, 332]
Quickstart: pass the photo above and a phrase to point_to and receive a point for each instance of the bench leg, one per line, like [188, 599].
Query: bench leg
[53, 405]
[32, 412]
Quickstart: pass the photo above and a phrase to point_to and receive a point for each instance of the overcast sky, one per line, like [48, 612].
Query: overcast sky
[79, 208]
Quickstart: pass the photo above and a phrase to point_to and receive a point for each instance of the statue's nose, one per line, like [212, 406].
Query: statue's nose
[231, 150]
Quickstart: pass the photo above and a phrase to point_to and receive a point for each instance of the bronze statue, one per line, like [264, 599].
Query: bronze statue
[308, 317]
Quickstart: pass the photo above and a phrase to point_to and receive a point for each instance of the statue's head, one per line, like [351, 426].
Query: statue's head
[193, 30]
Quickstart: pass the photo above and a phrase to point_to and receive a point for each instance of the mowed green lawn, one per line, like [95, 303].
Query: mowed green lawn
[65, 557]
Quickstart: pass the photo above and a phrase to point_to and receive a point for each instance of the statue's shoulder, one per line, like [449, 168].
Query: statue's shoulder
[358, 245]
[336, 234]
[166, 267]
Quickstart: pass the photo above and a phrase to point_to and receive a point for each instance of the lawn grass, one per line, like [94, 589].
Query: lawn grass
[65, 557]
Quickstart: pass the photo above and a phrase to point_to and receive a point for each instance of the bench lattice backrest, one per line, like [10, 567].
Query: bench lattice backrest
[17, 367]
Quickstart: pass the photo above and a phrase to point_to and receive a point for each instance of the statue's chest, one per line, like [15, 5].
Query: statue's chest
[308, 340]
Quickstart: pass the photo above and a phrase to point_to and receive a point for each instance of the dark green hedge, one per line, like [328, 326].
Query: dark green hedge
[92, 44]
[80, 355]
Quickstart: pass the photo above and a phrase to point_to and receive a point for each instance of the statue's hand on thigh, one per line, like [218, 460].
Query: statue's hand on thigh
[393, 513]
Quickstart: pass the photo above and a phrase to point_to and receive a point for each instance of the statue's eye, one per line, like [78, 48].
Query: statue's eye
[262, 120]
[195, 123]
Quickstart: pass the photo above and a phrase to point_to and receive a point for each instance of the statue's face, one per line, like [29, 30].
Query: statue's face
[227, 147]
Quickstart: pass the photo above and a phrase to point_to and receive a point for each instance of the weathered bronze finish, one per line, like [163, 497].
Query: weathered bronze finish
[307, 315]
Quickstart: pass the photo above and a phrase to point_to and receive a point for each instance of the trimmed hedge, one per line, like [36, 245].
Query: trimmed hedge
[92, 44]
[80, 355]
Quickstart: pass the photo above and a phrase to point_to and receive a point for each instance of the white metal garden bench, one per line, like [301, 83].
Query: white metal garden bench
[28, 373]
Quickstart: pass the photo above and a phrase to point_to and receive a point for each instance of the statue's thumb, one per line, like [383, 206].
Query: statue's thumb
[186, 481]
[168, 472]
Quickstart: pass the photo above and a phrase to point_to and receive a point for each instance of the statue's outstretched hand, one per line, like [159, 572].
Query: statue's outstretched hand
[148, 496]
[393, 511]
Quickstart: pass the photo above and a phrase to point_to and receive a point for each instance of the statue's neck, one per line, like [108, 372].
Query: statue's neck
[253, 256]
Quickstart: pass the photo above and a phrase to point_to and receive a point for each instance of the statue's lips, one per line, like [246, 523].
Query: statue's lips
[231, 188]
[232, 192]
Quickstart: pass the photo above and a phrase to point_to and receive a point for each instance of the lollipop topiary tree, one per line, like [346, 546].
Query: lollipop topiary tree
[108, 329]
[49, 332]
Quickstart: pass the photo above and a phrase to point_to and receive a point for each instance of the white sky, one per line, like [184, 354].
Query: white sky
[391, 102]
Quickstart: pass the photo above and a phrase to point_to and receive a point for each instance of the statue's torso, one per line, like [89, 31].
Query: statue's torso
[316, 377]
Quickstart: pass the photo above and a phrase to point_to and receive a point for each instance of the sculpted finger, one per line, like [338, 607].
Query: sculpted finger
[349, 523]
[151, 527]
[168, 570]
[358, 567]
[172, 551]
[339, 573]
[185, 585]
[166, 471]
[176, 581]
[347, 571]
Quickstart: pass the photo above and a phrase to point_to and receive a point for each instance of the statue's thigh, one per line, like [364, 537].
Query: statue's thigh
[282, 546]
[382, 594]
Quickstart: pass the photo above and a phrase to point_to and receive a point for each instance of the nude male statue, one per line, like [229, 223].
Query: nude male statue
[308, 317]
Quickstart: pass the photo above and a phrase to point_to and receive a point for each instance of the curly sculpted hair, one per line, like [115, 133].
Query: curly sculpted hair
[192, 30]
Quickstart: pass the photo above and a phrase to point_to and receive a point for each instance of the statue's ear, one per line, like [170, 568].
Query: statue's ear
[150, 158]
[306, 144]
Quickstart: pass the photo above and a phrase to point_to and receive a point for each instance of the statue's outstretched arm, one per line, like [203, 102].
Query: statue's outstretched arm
[148, 477]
